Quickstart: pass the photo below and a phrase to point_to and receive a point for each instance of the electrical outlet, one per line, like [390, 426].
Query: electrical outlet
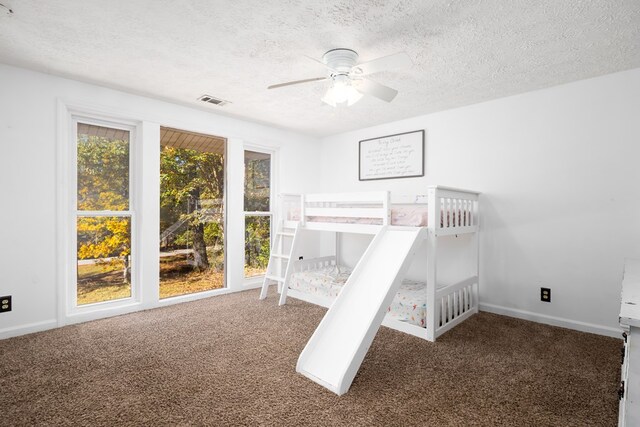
[545, 294]
[5, 304]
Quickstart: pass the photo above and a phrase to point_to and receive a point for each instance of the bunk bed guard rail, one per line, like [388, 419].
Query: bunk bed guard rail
[364, 212]
[450, 210]
[457, 210]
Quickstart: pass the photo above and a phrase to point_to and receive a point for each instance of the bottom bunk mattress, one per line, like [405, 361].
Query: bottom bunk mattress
[409, 304]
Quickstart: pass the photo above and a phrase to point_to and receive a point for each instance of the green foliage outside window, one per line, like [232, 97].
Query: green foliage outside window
[191, 197]
[191, 204]
[103, 184]
[257, 195]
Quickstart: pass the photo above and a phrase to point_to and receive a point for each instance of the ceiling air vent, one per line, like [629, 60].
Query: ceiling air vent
[213, 100]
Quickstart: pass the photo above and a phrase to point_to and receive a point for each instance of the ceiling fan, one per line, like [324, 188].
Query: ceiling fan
[348, 78]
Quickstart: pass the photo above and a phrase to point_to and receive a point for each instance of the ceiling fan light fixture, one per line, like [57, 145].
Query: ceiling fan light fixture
[353, 95]
[328, 97]
[341, 92]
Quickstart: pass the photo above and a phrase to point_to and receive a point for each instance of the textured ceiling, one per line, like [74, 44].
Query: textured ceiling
[464, 52]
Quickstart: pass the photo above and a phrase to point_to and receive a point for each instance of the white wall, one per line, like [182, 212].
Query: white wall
[557, 169]
[29, 123]
[560, 177]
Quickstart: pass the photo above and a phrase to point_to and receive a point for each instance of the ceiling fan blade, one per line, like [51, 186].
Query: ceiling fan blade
[369, 87]
[321, 63]
[315, 79]
[397, 60]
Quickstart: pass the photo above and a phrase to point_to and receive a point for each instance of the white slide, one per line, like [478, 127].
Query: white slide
[336, 349]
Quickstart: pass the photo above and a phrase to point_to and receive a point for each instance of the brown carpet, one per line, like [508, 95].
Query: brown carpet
[230, 360]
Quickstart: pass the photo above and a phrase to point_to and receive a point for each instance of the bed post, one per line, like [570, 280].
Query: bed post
[433, 311]
[337, 249]
[476, 289]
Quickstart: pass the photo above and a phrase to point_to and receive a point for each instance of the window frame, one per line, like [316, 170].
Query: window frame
[74, 213]
[272, 199]
[225, 192]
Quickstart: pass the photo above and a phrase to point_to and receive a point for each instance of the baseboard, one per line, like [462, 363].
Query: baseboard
[552, 320]
[252, 285]
[28, 329]
[490, 308]
[193, 297]
[82, 317]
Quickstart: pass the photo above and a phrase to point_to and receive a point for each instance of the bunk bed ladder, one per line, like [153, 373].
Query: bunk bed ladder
[280, 266]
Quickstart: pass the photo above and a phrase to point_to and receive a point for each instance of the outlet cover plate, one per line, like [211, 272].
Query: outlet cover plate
[5, 304]
[545, 294]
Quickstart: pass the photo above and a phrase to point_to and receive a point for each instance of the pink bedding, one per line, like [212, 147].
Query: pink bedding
[411, 215]
[407, 215]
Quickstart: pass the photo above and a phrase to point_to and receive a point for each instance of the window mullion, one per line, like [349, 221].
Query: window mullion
[104, 213]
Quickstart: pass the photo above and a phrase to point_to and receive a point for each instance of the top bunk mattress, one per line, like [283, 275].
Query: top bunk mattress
[405, 215]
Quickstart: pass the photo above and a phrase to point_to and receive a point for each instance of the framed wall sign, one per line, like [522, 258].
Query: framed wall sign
[392, 156]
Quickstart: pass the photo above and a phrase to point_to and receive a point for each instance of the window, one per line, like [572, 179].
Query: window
[104, 215]
[192, 212]
[258, 215]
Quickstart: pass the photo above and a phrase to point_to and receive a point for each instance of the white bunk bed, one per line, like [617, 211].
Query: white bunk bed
[455, 211]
